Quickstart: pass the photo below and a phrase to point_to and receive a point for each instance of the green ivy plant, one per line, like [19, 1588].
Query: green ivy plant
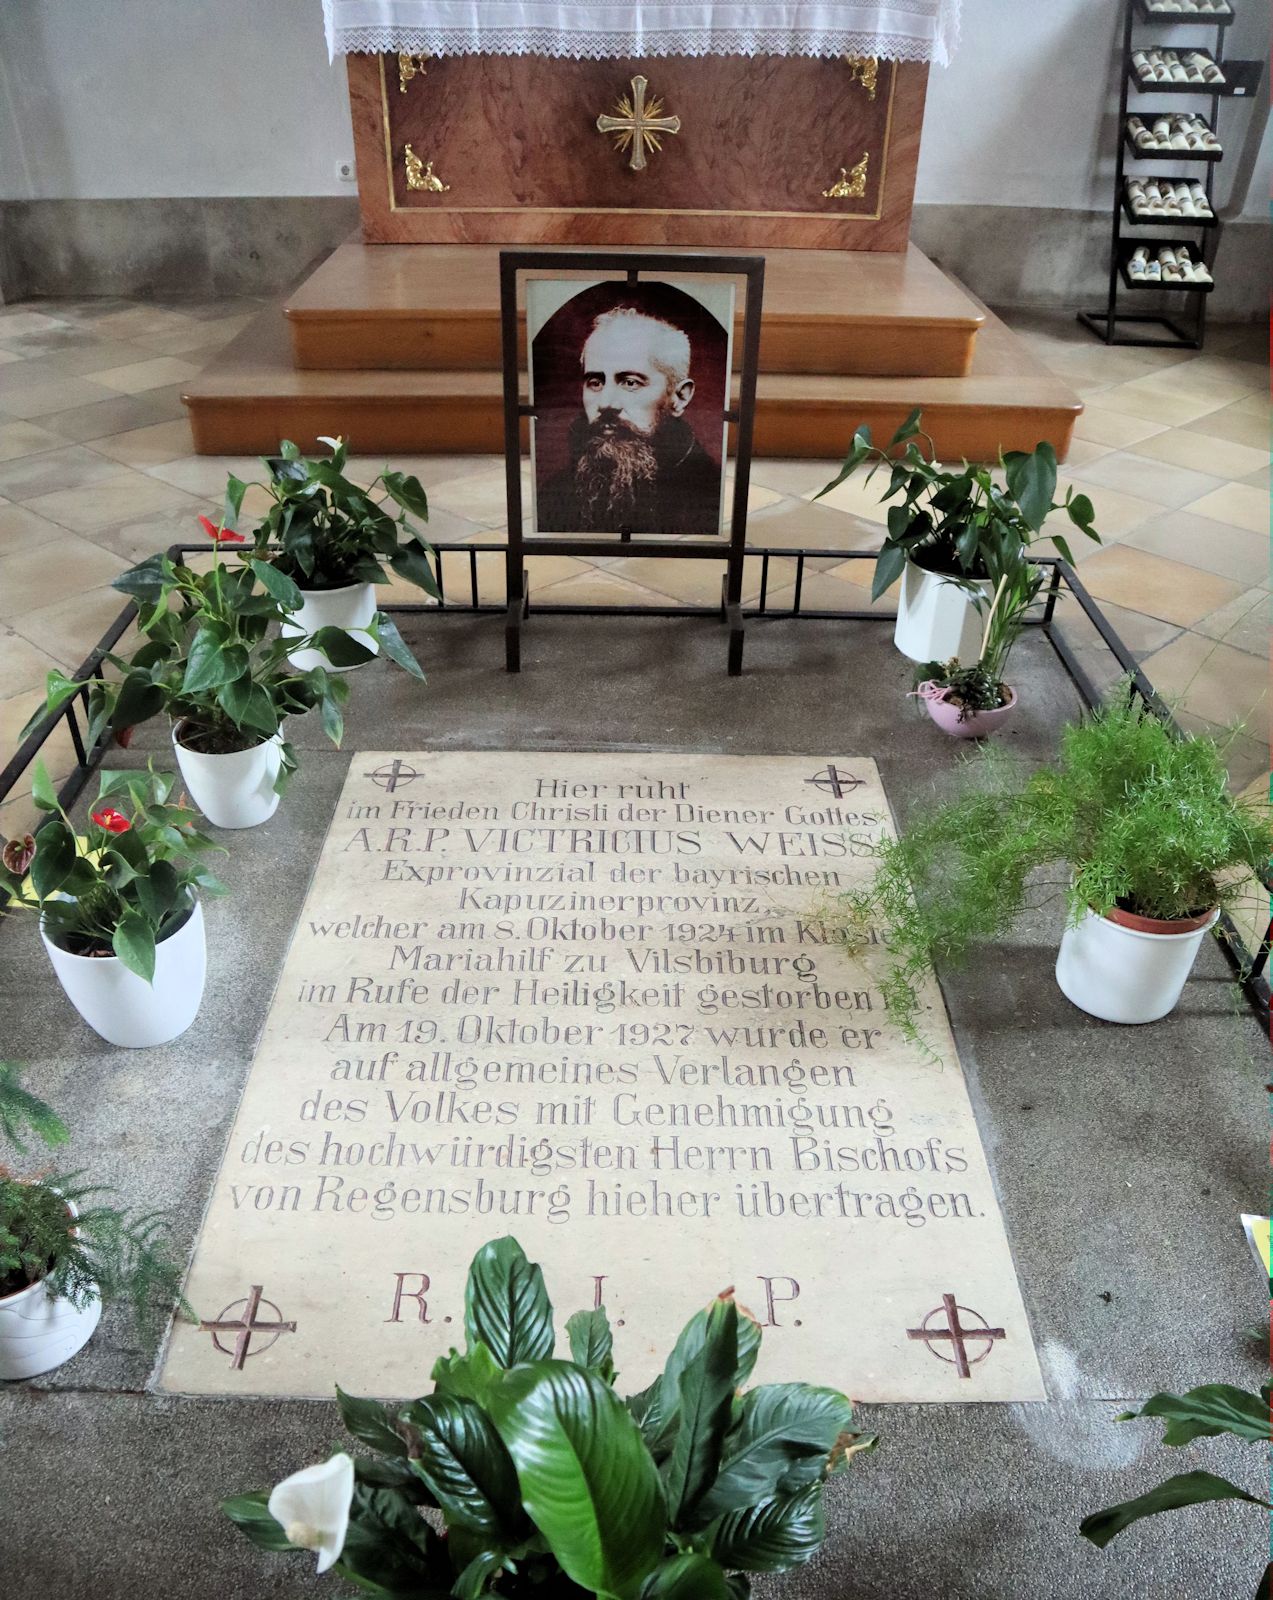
[1202, 1413]
[100, 1250]
[212, 658]
[324, 532]
[1128, 815]
[959, 522]
[123, 885]
[550, 1484]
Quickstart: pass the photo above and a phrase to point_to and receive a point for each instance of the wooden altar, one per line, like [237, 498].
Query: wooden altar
[737, 151]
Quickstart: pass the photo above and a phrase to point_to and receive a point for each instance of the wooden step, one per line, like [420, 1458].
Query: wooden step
[251, 396]
[436, 308]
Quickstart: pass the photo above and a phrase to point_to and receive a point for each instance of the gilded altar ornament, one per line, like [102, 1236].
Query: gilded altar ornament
[420, 174]
[638, 124]
[849, 185]
[866, 71]
[409, 65]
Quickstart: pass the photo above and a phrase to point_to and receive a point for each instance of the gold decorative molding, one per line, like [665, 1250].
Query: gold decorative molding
[849, 185]
[638, 124]
[866, 71]
[420, 174]
[410, 63]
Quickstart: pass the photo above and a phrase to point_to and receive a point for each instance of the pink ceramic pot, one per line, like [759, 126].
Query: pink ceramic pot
[945, 713]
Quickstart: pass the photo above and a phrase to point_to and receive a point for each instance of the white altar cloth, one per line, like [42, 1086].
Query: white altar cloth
[896, 30]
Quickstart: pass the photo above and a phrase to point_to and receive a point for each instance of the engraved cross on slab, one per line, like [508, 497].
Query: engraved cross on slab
[638, 124]
[245, 1325]
[957, 1334]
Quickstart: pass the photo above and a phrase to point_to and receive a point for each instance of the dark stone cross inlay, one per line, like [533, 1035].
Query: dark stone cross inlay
[835, 782]
[245, 1325]
[957, 1334]
[394, 775]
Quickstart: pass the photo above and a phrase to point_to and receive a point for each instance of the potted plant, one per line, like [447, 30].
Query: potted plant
[1149, 845]
[118, 905]
[1203, 1413]
[211, 660]
[951, 530]
[550, 1484]
[334, 541]
[970, 702]
[63, 1252]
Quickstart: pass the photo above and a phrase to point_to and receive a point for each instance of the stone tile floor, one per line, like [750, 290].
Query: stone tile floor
[96, 472]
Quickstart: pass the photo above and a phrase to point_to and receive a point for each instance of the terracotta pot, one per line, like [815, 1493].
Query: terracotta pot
[351, 608]
[1128, 968]
[936, 619]
[946, 712]
[39, 1330]
[234, 790]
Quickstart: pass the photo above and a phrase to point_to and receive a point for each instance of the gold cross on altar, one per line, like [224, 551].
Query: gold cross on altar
[638, 124]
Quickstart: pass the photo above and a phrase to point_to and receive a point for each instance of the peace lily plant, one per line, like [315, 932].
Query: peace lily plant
[545, 1483]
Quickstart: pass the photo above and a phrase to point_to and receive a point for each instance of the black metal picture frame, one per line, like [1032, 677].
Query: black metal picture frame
[739, 413]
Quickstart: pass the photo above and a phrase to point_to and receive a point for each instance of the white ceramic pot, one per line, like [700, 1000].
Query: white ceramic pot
[39, 1330]
[350, 608]
[125, 1009]
[235, 790]
[1125, 968]
[936, 619]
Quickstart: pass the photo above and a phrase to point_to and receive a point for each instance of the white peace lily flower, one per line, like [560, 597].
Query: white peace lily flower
[313, 1507]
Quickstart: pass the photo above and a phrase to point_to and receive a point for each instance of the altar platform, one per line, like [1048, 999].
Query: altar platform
[397, 348]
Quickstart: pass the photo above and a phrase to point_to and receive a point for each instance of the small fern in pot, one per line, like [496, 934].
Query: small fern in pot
[1144, 843]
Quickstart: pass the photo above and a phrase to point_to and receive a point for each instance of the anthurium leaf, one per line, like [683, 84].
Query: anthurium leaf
[394, 646]
[408, 492]
[370, 1423]
[706, 1397]
[1031, 482]
[145, 581]
[783, 1439]
[250, 1514]
[1082, 513]
[908, 429]
[1212, 1408]
[333, 719]
[1063, 548]
[591, 1342]
[156, 889]
[340, 648]
[211, 662]
[506, 1305]
[460, 1456]
[138, 699]
[58, 689]
[889, 567]
[54, 858]
[587, 1481]
[134, 944]
[42, 791]
[279, 585]
[772, 1536]
[1187, 1489]
[409, 561]
[687, 1577]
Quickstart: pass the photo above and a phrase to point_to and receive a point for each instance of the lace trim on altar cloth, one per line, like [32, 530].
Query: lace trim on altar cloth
[931, 37]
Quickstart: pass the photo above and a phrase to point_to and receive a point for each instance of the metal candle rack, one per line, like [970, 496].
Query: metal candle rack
[1241, 79]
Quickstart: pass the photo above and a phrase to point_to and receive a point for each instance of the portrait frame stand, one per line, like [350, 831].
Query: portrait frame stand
[737, 413]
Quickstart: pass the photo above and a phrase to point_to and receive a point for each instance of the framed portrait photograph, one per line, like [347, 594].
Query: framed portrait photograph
[629, 389]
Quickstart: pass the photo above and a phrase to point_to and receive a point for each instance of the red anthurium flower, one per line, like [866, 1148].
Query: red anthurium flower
[220, 535]
[18, 854]
[111, 821]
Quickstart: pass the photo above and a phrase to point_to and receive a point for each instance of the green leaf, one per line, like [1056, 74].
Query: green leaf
[250, 1514]
[506, 1305]
[58, 689]
[235, 489]
[1187, 1489]
[157, 888]
[409, 561]
[147, 581]
[706, 1398]
[1063, 548]
[1082, 513]
[687, 1577]
[279, 585]
[370, 1423]
[659, 1407]
[476, 1375]
[42, 790]
[333, 719]
[772, 1536]
[211, 662]
[138, 699]
[738, 1586]
[340, 648]
[249, 705]
[471, 1583]
[1210, 1409]
[783, 1441]
[587, 1481]
[408, 492]
[456, 1450]
[889, 566]
[134, 944]
[1032, 482]
[394, 646]
[55, 857]
[23, 1113]
[591, 1342]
